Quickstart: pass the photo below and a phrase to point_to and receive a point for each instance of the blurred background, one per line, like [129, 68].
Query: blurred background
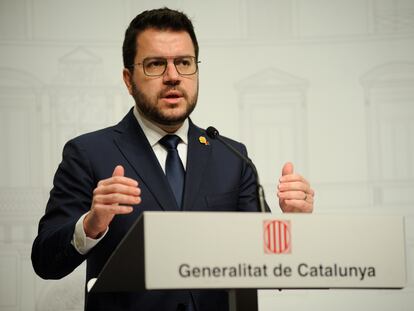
[326, 84]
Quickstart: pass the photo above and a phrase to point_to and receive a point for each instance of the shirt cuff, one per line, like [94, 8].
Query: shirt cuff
[80, 241]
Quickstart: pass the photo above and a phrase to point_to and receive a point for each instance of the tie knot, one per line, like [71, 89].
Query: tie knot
[170, 141]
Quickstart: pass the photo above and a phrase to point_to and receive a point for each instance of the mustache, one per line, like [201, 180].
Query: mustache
[179, 89]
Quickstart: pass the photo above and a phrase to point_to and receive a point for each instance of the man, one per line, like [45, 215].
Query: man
[107, 178]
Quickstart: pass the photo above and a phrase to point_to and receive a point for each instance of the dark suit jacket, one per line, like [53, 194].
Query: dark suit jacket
[216, 180]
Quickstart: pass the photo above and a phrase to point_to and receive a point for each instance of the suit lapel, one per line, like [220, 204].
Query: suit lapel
[136, 149]
[197, 157]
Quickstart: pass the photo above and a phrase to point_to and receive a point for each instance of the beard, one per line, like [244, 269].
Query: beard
[153, 112]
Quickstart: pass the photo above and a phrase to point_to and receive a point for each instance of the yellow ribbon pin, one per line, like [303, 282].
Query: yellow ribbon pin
[203, 140]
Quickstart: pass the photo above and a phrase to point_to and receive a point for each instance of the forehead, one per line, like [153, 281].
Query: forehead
[153, 42]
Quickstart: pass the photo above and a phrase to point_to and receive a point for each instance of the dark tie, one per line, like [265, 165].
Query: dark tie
[175, 174]
[174, 167]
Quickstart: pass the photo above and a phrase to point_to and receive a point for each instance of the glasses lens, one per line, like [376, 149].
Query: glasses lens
[185, 65]
[154, 66]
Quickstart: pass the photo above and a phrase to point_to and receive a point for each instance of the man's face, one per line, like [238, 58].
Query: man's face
[169, 99]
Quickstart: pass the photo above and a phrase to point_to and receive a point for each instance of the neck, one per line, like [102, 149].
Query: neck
[170, 128]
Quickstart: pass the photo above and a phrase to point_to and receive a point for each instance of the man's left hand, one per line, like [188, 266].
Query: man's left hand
[294, 192]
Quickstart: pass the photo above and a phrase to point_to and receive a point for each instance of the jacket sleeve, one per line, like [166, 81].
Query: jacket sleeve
[53, 255]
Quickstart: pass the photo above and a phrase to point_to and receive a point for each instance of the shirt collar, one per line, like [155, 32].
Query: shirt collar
[154, 133]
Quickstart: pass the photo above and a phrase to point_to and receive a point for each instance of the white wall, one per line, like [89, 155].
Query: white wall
[328, 84]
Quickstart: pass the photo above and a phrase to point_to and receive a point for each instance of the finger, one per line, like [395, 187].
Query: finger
[287, 169]
[118, 176]
[311, 192]
[294, 186]
[295, 195]
[117, 198]
[113, 209]
[117, 188]
[286, 196]
[119, 171]
[297, 206]
[293, 177]
[118, 180]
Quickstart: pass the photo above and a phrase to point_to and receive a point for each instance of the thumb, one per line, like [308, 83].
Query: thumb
[287, 169]
[118, 171]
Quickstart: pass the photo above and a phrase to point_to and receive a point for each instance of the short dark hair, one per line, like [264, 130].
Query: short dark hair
[160, 19]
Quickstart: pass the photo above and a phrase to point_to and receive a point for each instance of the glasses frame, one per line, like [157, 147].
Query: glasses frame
[174, 59]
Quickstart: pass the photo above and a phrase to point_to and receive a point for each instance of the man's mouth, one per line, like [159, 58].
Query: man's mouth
[172, 97]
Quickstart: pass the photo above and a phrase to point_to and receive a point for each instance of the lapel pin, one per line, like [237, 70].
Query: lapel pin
[203, 140]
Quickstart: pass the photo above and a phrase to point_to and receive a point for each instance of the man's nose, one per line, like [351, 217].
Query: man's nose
[171, 75]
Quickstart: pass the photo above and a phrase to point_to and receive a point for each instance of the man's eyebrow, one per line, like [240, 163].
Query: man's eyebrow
[168, 57]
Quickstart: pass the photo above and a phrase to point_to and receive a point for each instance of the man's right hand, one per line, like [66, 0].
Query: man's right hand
[111, 197]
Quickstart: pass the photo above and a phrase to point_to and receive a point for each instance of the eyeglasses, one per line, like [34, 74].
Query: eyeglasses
[156, 66]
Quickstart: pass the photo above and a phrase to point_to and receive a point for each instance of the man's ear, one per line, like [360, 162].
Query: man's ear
[127, 76]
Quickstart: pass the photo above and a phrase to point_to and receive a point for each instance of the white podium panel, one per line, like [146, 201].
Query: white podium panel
[255, 250]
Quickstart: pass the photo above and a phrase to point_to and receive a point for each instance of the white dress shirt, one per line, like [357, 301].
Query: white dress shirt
[80, 241]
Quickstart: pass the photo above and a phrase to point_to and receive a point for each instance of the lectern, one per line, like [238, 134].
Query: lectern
[243, 252]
